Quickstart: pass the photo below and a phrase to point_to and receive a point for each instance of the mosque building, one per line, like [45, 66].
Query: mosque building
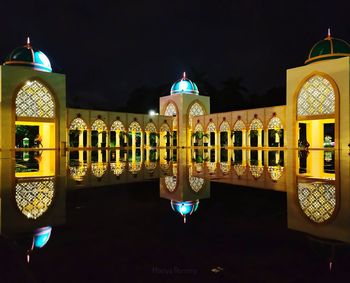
[33, 110]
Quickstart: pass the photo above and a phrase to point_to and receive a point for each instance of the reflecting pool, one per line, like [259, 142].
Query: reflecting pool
[175, 214]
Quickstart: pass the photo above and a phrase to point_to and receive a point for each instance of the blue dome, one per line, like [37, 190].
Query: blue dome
[27, 56]
[184, 207]
[184, 86]
[41, 236]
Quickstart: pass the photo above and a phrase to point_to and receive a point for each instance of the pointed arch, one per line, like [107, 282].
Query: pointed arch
[99, 125]
[78, 124]
[150, 127]
[134, 127]
[194, 110]
[117, 126]
[239, 126]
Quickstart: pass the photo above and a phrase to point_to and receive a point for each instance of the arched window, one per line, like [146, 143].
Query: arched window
[170, 110]
[211, 127]
[316, 97]
[150, 127]
[256, 124]
[317, 200]
[198, 128]
[275, 123]
[34, 198]
[239, 126]
[224, 127]
[164, 127]
[134, 127]
[35, 100]
[195, 110]
[78, 124]
[98, 169]
[99, 125]
[117, 126]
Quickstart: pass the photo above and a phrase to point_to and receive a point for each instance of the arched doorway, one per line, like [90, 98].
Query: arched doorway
[151, 135]
[316, 112]
[275, 132]
[256, 133]
[35, 116]
[239, 134]
[78, 133]
[98, 133]
[225, 134]
[117, 134]
[211, 131]
[135, 134]
[195, 110]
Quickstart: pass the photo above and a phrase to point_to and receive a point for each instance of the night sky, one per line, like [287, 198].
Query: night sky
[107, 49]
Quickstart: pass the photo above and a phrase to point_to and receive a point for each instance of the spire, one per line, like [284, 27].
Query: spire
[184, 75]
[28, 42]
[329, 33]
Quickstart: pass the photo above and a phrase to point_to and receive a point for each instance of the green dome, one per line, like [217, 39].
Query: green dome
[28, 56]
[328, 48]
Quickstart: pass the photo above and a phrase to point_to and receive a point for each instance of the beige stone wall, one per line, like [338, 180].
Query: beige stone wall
[338, 70]
[12, 79]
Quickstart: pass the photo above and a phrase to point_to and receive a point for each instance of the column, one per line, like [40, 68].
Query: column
[117, 138]
[244, 138]
[259, 138]
[99, 140]
[88, 137]
[233, 138]
[277, 137]
[248, 139]
[229, 139]
[81, 138]
[107, 138]
[141, 140]
[217, 138]
[147, 138]
[260, 157]
[133, 139]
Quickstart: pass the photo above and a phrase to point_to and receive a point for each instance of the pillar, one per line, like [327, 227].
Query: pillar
[88, 132]
[233, 138]
[260, 153]
[81, 138]
[107, 138]
[259, 138]
[248, 140]
[147, 133]
[133, 139]
[99, 136]
[244, 138]
[117, 138]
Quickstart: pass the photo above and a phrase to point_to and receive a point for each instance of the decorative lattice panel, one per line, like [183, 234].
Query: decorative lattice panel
[135, 127]
[117, 126]
[198, 128]
[275, 172]
[170, 183]
[78, 124]
[196, 183]
[239, 126]
[78, 172]
[34, 198]
[134, 167]
[99, 125]
[211, 127]
[225, 167]
[239, 169]
[117, 168]
[316, 97]
[35, 100]
[165, 128]
[170, 110]
[151, 165]
[98, 169]
[275, 123]
[317, 200]
[211, 167]
[150, 127]
[256, 124]
[256, 171]
[224, 127]
[195, 110]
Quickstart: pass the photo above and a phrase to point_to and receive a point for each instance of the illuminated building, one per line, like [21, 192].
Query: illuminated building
[317, 96]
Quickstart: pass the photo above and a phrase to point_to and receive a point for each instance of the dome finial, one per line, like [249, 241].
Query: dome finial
[184, 75]
[28, 41]
[329, 33]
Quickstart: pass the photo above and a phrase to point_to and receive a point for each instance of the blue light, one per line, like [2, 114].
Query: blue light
[41, 236]
[184, 207]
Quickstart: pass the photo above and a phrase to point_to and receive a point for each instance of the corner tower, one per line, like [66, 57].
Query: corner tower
[318, 97]
[183, 103]
[32, 100]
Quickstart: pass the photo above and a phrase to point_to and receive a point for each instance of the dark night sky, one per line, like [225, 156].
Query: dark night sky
[109, 48]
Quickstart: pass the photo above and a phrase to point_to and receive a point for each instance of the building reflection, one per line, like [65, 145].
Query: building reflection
[32, 190]
[182, 188]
